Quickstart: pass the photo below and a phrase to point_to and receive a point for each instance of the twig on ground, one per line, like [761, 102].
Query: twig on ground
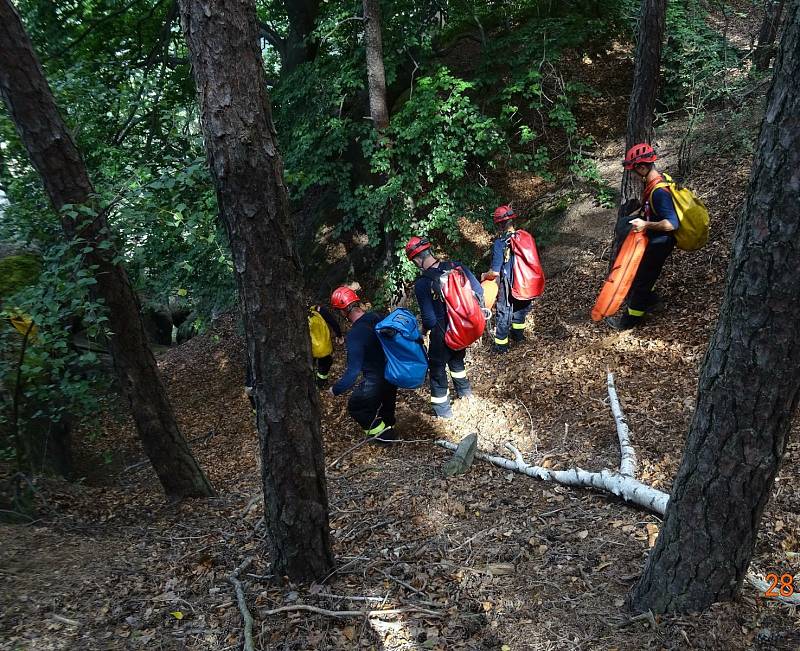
[65, 620]
[351, 613]
[240, 598]
[527, 411]
[348, 451]
[401, 583]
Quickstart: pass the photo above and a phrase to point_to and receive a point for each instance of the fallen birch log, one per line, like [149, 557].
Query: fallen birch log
[627, 462]
[609, 481]
[621, 483]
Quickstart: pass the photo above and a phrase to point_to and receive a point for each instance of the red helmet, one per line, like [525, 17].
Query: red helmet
[342, 297]
[416, 245]
[641, 153]
[503, 214]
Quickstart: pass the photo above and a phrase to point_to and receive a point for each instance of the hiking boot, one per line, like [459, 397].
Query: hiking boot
[500, 349]
[620, 322]
[443, 412]
[467, 396]
[385, 437]
[322, 384]
[518, 335]
[656, 307]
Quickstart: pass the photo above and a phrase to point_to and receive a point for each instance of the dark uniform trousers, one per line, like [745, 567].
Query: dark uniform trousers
[323, 368]
[441, 358]
[641, 296]
[372, 404]
[510, 314]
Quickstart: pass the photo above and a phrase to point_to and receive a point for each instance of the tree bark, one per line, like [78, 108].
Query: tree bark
[241, 144]
[376, 77]
[766, 35]
[54, 155]
[645, 86]
[750, 381]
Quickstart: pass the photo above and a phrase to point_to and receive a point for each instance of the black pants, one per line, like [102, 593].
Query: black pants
[641, 296]
[372, 405]
[323, 365]
[441, 358]
[510, 313]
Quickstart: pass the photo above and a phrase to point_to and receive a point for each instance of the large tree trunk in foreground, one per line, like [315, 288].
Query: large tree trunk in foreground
[750, 382]
[248, 173]
[766, 35]
[376, 76]
[55, 156]
[645, 86]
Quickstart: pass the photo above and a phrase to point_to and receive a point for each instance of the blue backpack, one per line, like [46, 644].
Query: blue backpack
[406, 361]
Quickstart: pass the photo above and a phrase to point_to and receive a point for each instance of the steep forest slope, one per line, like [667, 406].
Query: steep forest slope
[499, 561]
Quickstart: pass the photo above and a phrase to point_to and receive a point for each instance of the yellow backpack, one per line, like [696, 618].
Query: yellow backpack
[321, 344]
[692, 214]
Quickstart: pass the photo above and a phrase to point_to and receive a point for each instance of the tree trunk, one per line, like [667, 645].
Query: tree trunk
[247, 169]
[55, 156]
[376, 77]
[645, 86]
[299, 46]
[750, 381]
[767, 34]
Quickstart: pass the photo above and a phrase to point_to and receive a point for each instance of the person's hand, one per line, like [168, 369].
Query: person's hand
[488, 275]
[638, 224]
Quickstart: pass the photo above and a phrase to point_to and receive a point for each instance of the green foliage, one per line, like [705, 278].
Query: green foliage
[57, 379]
[695, 59]
[433, 160]
[174, 244]
[16, 272]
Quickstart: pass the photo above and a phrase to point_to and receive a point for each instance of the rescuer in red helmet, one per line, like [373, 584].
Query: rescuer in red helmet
[659, 220]
[510, 311]
[434, 320]
[372, 402]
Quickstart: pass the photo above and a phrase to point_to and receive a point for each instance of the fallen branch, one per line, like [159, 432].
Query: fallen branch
[608, 481]
[351, 613]
[246, 616]
[763, 586]
[65, 620]
[622, 484]
[627, 462]
[361, 443]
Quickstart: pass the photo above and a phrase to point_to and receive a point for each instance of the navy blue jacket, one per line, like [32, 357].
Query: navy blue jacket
[430, 302]
[364, 353]
[660, 207]
[502, 256]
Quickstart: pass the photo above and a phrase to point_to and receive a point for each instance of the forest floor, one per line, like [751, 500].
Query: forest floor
[504, 561]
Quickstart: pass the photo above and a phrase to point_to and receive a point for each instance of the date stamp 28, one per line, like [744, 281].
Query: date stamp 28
[780, 585]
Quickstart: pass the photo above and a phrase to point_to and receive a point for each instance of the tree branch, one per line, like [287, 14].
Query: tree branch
[627, 463]
[271, 36]
[351, 613]
[240, 599]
